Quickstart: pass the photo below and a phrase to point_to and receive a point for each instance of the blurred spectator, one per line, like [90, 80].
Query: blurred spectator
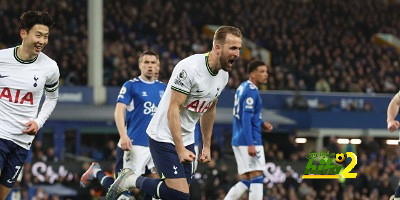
[319, 39]
[299, 102]
[322, 85]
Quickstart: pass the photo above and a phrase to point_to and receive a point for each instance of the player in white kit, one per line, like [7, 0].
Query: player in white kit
[24, 73]
[191, 94]
[393, 125]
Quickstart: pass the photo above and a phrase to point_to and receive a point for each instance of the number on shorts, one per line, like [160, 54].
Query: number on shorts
[18, 168]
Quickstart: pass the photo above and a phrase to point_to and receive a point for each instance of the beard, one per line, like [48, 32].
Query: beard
[226, 63]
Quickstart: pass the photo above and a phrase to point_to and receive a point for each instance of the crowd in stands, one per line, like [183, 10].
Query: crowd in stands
[315, 45]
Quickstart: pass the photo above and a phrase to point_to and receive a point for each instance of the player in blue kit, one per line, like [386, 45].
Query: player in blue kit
[137, 102]
[246, 139]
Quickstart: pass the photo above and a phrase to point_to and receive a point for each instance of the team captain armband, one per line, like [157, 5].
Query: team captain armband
[51, 87]
[182, 82]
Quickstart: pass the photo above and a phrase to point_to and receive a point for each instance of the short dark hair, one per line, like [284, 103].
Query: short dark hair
[149, 52]
[221, 32]
[253, 65]
[31, 18]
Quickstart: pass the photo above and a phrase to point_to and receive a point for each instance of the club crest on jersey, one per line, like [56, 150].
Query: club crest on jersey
[34, 78]
[197, 106]
[6, 94]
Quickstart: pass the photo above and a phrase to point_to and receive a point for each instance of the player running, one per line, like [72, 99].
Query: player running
[24, 73]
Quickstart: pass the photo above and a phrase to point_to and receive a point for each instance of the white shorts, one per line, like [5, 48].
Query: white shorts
[138, 158]
[245, 162]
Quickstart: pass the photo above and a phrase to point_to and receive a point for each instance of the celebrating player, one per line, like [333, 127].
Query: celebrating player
[191, 94]
[139, 99]
[24, 73]
[393, 125]
[246, 140]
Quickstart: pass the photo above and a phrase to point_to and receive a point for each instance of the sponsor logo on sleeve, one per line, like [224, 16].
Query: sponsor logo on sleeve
[249, 103]
[182, 75]
[122, 92]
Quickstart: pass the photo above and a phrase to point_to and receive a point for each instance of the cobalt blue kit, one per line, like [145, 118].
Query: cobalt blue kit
[142, 99]
[247, 114]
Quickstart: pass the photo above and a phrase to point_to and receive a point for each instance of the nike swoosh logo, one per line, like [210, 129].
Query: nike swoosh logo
[10, 181]
[199, 90]
[3, 76]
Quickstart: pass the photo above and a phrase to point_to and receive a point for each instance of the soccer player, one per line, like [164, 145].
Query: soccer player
[138, 100]
[393, 125]
[24, 73]
[246, 138]
[191, 94]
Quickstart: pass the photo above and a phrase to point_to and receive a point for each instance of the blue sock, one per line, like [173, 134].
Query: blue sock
[158, 188]
[171, 194]
[148, 185]
[105, 181]
[397, 194]
[147, 196]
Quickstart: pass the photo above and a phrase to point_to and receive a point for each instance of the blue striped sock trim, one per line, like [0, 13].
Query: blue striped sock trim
[246, 182]
[257, 179]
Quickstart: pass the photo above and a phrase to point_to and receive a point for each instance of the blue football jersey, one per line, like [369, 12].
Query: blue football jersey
[247, 116]
[141, 98]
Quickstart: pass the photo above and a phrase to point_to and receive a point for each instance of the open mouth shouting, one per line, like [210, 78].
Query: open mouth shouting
[231, 61]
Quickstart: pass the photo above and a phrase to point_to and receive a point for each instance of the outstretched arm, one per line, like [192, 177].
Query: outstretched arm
[206, 125]
[174, 123]
[392, 111]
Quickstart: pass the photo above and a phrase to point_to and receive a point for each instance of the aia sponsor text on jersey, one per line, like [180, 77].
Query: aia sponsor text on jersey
[17, 97]
[196, 106]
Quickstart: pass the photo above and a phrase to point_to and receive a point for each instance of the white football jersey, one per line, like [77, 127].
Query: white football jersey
[21, 89]
[193, 77]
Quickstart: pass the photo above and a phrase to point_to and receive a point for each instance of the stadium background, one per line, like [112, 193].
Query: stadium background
[334, 67]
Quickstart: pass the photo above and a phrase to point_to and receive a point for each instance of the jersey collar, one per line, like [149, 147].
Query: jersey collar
[208, 66]
[147, 82]
[23, 61]
[251, 83]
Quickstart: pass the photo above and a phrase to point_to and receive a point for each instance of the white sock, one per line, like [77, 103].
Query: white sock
[256, 191]
[130, 181]
[95, 170]
[256, 188]
[236, 191]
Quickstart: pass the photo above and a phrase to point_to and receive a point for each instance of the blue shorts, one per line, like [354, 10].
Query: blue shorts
[12, 159]
[167, 162]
